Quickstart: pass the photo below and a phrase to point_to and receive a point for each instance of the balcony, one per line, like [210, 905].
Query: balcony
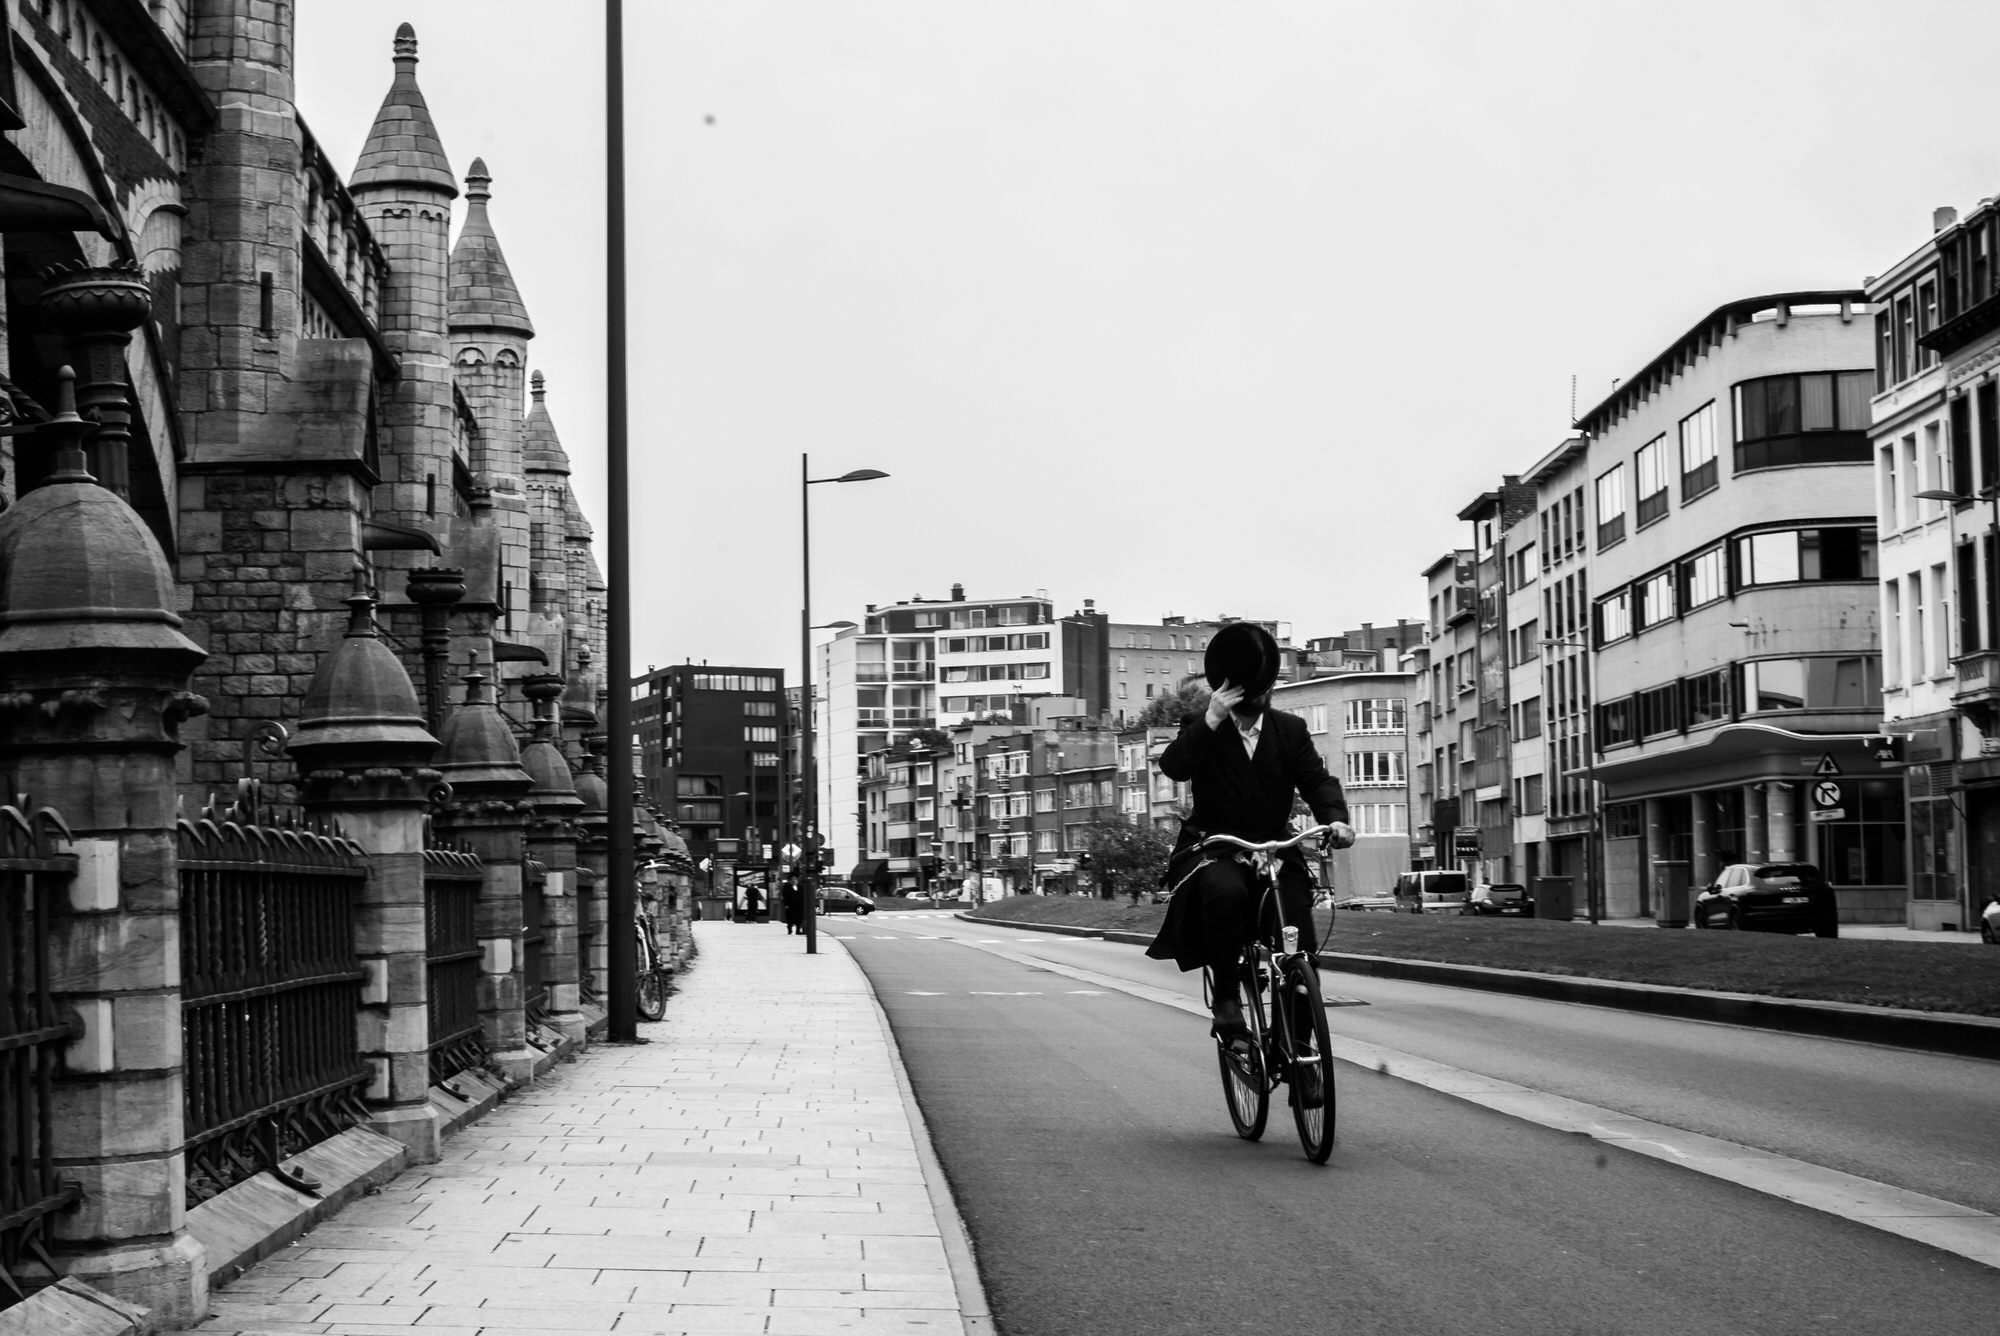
[907, 671]
[1977, 693]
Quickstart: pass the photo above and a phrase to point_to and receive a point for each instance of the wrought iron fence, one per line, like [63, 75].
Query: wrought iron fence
[32, 1036]
[534, 941]
[586, 934]
[452, 880]
[270, 985]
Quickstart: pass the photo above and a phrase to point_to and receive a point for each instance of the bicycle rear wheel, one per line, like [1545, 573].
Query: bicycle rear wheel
[652, 995]
[1309, 1058]
[1245, 1087]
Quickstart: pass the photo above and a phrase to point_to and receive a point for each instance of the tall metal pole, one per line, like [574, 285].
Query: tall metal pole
[621, 905]
[808, 790]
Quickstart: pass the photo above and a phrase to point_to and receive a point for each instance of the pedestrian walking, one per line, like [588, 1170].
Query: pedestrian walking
[792, 902]
[753, 900]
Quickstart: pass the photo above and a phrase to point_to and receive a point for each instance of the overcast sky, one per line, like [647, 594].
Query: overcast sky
[1187, 308]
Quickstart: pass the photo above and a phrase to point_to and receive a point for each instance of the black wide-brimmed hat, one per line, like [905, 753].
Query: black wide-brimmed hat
[1243, 654]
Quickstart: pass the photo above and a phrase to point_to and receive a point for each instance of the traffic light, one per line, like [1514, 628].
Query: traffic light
[1083, 861]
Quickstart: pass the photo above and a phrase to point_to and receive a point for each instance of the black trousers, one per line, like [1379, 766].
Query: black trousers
[1224, 912]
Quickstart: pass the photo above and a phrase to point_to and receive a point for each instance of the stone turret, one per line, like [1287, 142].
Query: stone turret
[546, 474]
[403, 185]
[552, 836]
[490, 330]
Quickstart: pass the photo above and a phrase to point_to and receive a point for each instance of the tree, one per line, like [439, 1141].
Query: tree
[1131, 855]
[1167, 711]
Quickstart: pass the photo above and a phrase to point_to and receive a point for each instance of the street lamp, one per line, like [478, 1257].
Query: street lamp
[1593, 889]
[808, 790]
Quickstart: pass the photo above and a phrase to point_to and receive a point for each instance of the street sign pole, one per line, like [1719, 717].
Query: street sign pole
[622, 894]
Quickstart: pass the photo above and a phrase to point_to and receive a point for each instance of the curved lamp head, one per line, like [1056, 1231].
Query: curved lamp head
[834, 626]
[861, 475]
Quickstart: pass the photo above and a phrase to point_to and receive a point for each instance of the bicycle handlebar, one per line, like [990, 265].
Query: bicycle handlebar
[1268, 846]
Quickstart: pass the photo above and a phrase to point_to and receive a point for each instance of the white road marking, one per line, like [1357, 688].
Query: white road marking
[977, 993]
[1085, 992]
[918, 992]
[1944, 1225]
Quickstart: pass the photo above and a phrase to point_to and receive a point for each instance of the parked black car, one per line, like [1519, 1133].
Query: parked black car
[1769, 897]
[1503, 897]
[840, 900]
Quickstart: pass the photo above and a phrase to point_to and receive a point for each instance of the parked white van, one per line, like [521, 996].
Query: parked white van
[1433, 893]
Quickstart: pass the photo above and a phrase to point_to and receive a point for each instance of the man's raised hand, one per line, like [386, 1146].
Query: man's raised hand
[1225, 698]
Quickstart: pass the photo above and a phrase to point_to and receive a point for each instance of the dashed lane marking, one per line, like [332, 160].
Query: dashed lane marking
[918, 992]
[1944, 1225]
[979, 993]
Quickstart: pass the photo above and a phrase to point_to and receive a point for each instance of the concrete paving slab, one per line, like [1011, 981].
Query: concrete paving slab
[755, 1167]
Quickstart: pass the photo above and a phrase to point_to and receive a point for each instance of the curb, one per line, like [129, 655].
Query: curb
[1897, 1027]
[1066, 930]
[975, 1315]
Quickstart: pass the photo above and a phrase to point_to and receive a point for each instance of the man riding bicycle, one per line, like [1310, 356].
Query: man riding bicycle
[1245, 762]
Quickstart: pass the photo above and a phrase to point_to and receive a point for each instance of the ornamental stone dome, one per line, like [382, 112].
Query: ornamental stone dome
[361, 708]
[590, 791]
[541, 448]
[480, 757]
[80, 572]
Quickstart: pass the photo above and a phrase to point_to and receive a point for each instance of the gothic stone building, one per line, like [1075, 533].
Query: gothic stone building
[282, 504]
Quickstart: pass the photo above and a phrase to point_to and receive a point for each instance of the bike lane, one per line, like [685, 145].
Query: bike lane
[1084, 1133]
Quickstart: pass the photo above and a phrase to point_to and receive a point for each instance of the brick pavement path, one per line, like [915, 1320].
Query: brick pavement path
[750, 1170]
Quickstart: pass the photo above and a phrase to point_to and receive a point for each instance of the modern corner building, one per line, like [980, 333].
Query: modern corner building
[1359, 723]
[1683, 623]
[1937, 430]
[714, 750]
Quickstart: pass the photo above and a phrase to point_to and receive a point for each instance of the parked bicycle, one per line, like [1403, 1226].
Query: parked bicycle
[653, 969]
[1286, 1015]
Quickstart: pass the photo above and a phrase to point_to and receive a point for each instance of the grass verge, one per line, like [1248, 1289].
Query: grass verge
[1921, 975]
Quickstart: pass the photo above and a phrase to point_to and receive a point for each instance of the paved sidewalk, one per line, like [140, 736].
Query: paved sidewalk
[751, 1170]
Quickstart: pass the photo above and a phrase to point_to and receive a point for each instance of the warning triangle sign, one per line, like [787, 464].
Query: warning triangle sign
[1827, 765]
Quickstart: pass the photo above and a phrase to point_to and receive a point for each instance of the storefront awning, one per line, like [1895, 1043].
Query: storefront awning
[867, 870]
[1733, 754]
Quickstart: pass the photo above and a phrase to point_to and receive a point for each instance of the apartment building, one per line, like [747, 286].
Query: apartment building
[1734, 613]
[1486, 800]
[1145, 660]
[1367, 649]
[1936, 429]
[902, 851]
[1446, 835]
[713, 749]
[1556, 581]
[1360, 725]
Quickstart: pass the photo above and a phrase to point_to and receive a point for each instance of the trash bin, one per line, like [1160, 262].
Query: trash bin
[1671, 895]
[1555, 897]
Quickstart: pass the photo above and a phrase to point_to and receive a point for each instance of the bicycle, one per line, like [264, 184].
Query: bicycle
[1285, 1013]
[652, 970]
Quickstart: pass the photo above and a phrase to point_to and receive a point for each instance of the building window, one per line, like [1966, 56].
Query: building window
[1650, 470]
[1789, 556]
[1611, 507]
[1614, 722]
[1708, 698]
[764, 760]
[1656, 599]
[1614, 617]
[1379, 818]
[1659, 711]
[1528, 795]
[1704, 578]
[1622, 821]
[1812, 419]
[1374, 769]
[1700, 445]
[1865, 846]
[1045, 800]
[1316, 719]
[1383, 714]
[1528, 718]
[1851, 683]
[760, 733]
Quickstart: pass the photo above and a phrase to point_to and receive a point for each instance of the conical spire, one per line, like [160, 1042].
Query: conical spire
[482, 294]
[403, 146]
[541, 449]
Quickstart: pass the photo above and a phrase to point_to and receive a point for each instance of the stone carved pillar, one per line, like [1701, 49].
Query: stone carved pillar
[363, 756]
[593, 856]
[96, 309]
[1755, 838]
[435, 589]
[96, 670]
[488, 811]
[554, 807]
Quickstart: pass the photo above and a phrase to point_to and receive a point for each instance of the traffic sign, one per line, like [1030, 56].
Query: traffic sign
[791, 851]
[1827, 814]
[1826, 793]
[1827, 765]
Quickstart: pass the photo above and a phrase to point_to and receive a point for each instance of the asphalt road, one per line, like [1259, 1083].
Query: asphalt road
[1084, 1134]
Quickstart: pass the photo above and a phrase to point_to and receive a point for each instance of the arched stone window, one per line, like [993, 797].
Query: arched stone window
[507, 357]
[471, 357]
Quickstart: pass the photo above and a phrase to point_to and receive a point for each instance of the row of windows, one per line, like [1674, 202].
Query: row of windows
[1771, 557]
[1759, 686]
[962, 619]
[1149, 665]
[995, 644]
[997, 672]
[1807, 418]
[1375, 768]
[733, 682]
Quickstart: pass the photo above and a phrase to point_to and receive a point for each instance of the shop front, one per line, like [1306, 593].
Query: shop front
[1752, 793]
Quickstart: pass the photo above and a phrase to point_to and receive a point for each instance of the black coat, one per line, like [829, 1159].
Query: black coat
[1238, 794]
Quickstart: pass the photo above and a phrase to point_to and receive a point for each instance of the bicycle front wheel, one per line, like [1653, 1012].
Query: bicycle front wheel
[1310, 1060]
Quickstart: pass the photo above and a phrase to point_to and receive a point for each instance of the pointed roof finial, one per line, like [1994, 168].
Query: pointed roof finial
[541, 448]
[403, 148]
[481, 291]
[537, 384]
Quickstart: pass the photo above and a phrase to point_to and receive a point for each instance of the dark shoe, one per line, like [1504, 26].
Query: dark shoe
[1229, 1028]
